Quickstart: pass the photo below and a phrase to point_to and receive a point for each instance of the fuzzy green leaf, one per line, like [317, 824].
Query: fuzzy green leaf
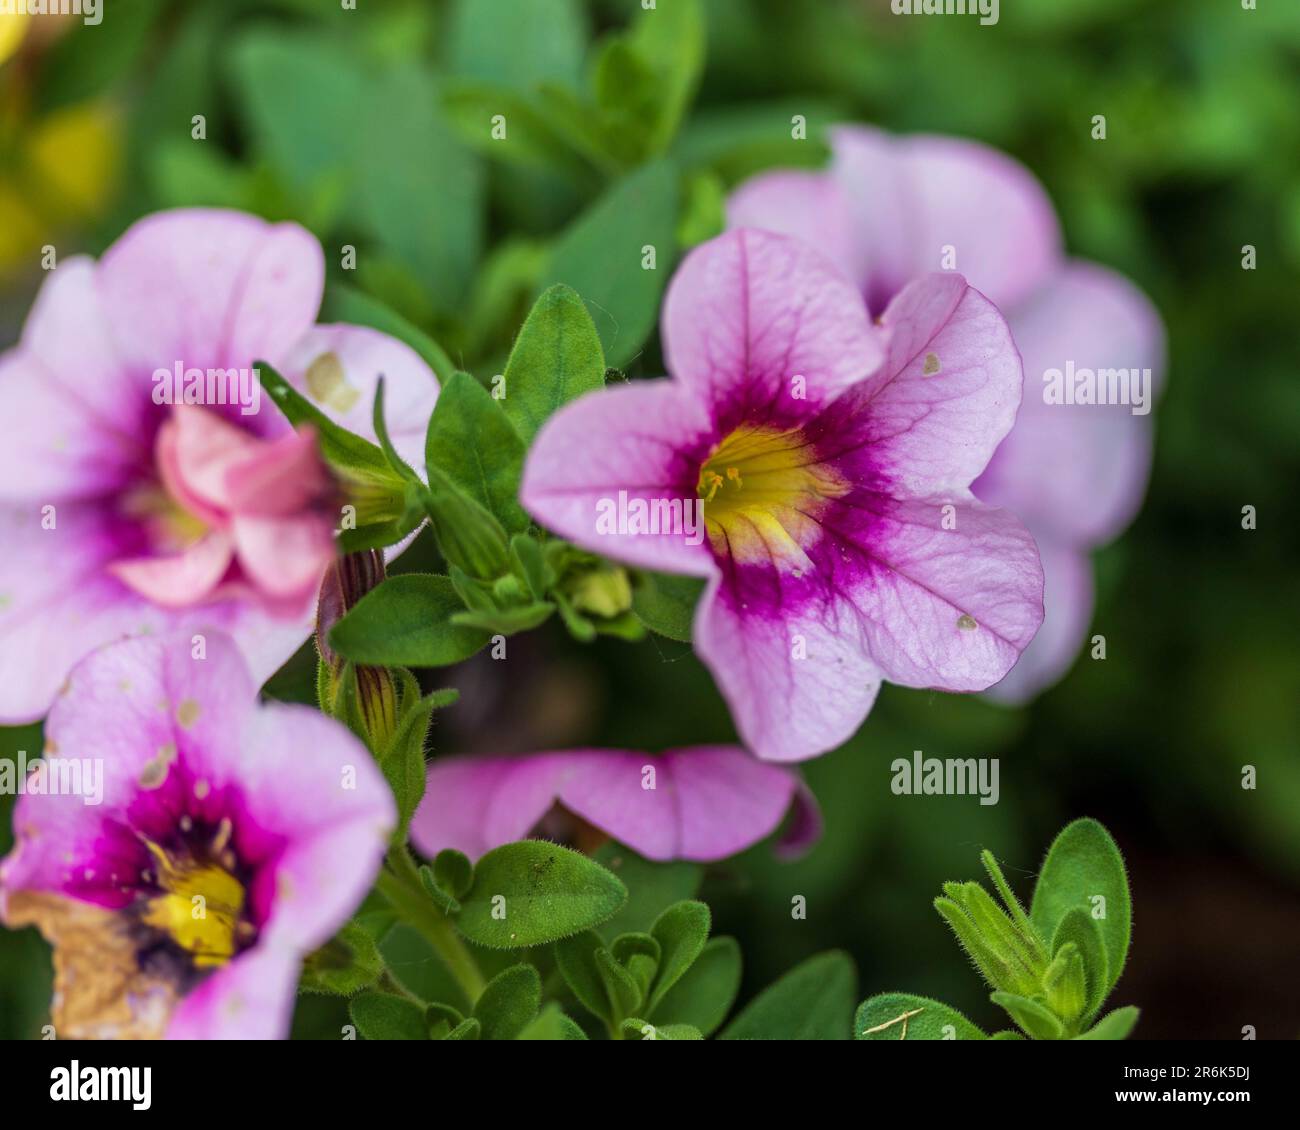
[344, 965]
[707, 990]
[531, 892]
[634, 1028]
[473, 442]
[681, 931]
[453, 871]
[1079, 927]
[552, 1024]
[509, 1003]
[600, 256]
[406, 621]
[1114, 1025]
[666, 604]
[1036, 1019]
[814, 1001]
[556, 359]
[904, 1016]
[1082, 864]
[381, 1016]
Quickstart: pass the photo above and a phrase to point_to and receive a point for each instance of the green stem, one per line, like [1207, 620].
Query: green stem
[400, 883]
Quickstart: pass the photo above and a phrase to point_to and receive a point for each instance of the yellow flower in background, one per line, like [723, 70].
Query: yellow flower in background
[57, 175]
[12, 29]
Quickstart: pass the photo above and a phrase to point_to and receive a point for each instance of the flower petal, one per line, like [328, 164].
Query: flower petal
[1078, 472]
[69, 335]
[338, 367]
[56, 445]
[179, 579]
[948, 593]
[647, 440]
[788, 657]
[1067, 601]
[915, 197]
[250, 998]
[210, 289]
[812, 207]
[765, 329]
[59, 602]
[702, 803]
[951, 388]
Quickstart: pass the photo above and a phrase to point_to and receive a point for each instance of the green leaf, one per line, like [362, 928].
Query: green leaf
[1035, 1018]
[531, 140]
[707, 990]
[507, 621]
[666, 604]
[556, 359]
[347, 304]
[575, 958]
[531, 892]
[1082, 864]
[652, 888]
[468, 1029]
[639, 954]
[406, 621]
[517, 42]
[91, 58]
[681, 931]
[382, 1016]
[344, 965]
[469, 535]
[453, 871]
[441, 897]
[635, 1028]
[1078, 927]
[903, 1016]
[319, 110]
[509, 1002]
[529, 563]
[552, 1024]
[442, 1020]
[473, 442]
[600, 256]
[668, 41]
[1065, 985]
[814, 1001]
[621, 987]
[1114, 1025]
[341, 448]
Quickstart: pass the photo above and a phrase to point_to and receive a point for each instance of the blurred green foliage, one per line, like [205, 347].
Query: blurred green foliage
[370, 127]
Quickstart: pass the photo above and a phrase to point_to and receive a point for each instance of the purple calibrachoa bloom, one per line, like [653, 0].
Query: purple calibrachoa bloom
[230, 840]
[123, 511]
[704, 803]
[833, 460]
[890, 209]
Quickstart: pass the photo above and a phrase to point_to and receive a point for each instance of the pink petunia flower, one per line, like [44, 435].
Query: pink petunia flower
[226, 840]
[832, 461]
[123, 508]
[704, 803]
[890, 209]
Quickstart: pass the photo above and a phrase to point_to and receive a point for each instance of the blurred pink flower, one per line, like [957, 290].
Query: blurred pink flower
[890, 209]
[831, 460]
[122, 513]
[273, 819]
[703, 803]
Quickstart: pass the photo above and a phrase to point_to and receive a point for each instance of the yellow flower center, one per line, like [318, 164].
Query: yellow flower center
[201, 907]
[763, 492]
[171, 526]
